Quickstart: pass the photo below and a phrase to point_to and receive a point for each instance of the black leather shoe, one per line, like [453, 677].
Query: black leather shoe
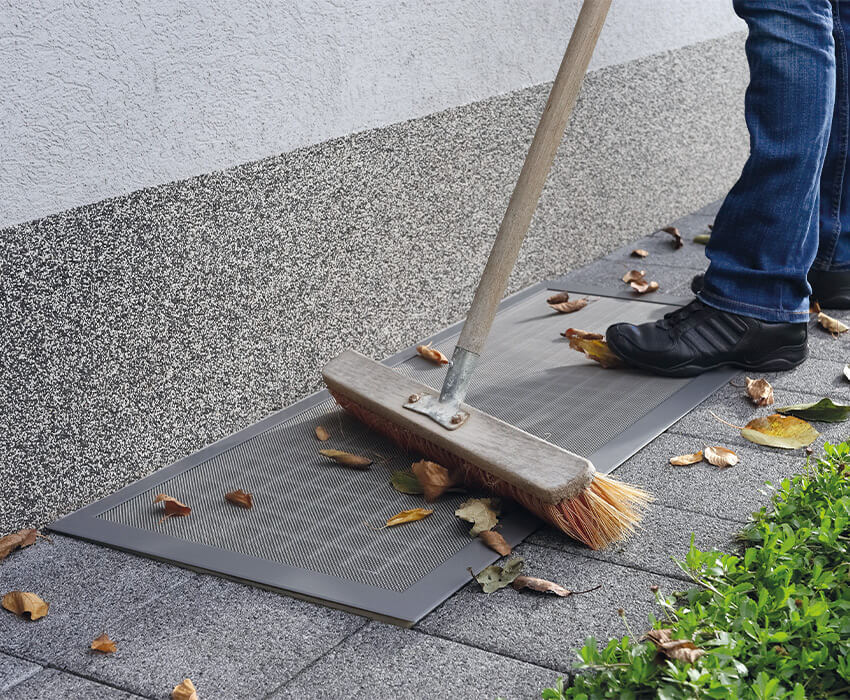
[830, 287]
[697, 338]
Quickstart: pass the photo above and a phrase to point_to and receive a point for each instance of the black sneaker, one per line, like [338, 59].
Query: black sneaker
[831, 288]
[697, 338]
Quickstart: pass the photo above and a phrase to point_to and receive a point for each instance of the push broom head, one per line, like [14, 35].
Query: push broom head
[559, 486]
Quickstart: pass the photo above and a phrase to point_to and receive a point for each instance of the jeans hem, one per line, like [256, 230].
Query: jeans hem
[762, 313]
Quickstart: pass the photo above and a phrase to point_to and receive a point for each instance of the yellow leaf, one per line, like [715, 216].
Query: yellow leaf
[409, 516]
[776, 430]
[720, 457]
[685, 460]
[596, 350]
[21, 603]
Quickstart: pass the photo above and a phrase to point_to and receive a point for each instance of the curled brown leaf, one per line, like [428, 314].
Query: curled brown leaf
[23, 603]
[677, 237]
[571, 333]
[833, 325]
[172, 506]
[760, 391]
[347, 459]
[240, 498]
[568, 307]
[495, 542]
[634, 276]
[104, 644]
[720, 457]
[184, 691]
[596, 350]
[639, 253]
[16, 540]
[433, 478]
[677, 649]
[644, 287]
[685, 460]
[322, 433]
[432, 354]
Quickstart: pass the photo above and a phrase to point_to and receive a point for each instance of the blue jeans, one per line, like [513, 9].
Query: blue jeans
[790, 209]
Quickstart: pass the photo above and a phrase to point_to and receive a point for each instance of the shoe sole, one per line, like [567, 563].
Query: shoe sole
[780, 360]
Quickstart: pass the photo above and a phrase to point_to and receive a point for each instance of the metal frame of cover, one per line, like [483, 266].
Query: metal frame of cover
[405, 607]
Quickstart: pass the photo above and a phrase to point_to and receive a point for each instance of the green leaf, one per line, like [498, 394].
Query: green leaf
[495, 577]
[786, 432]
[824, 410]
[406, 482]
[702, 238]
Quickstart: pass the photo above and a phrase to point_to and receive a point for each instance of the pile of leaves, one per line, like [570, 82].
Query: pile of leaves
[772, 621]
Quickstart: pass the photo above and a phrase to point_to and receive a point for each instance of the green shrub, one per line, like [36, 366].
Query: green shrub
[774, 619]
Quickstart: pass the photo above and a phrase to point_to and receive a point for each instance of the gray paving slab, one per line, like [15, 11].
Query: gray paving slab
[382, 662]
[233, 641]
[710, 209]
[609, 273]
[664, 534]
[14, 670]
[822, 377]
[88, 587]
[53, 684]
[731, 404]
[731, 493]
[660, 248]
[544, 629]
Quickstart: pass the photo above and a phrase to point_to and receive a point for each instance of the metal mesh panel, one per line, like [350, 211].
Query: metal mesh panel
[312, 514]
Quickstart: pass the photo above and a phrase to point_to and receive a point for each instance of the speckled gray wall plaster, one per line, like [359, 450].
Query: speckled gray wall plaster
[100, 99]
[141, 328]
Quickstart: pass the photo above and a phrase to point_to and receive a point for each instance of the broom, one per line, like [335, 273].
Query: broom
[561, 487]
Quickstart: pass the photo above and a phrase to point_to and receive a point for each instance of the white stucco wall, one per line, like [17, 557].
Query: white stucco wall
[102, 98]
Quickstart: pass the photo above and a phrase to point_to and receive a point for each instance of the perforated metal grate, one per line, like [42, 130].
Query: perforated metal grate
[312, 514]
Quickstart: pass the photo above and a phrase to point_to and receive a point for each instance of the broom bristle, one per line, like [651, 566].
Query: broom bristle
[605, 512]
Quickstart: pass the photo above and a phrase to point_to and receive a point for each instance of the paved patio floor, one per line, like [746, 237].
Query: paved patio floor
[235, 641]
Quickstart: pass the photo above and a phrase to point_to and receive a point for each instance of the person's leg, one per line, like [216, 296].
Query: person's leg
[765, 235]
[753, 307]
[830, 273]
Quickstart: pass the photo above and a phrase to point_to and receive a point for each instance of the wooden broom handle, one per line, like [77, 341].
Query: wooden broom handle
[527, 191]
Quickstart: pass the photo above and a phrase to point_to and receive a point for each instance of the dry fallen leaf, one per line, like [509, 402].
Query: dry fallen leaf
[786, 432]
[16, 540]
[825, 410]
[432, 354]
[483, 513]
[409, 516]
[322, 433]
[644, 287]
[760, 391]
[184, 691]
[240, 498]
[104, 644]
[571, 333]
[685, 460]
[21, 603]
[634, 276]
[677, 649]
[433, 478]
[720, 457]
[639, 253]
[596, 350]
[495, 577]
[833, 325]
[562, 304]
[172, 506]
[495, 542]
[406, 482]
[677, 237]
[543, 586]
[347, 459]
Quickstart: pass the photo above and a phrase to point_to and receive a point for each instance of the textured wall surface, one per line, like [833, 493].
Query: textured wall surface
[143, 327]
[100, 99]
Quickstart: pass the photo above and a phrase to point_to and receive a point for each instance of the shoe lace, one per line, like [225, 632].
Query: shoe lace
[677, 317]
